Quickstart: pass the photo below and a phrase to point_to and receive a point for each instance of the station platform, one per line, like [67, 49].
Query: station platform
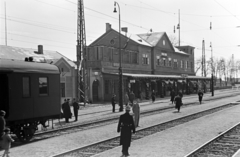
[65, 142]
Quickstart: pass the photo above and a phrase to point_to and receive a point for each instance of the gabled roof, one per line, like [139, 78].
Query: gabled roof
[179, 51]
[152, 38]
[17, 53]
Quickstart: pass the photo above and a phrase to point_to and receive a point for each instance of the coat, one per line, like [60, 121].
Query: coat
[75, 106]
[6, 141]
[172, 94]
[126, 100]
[2, 125]
[66, 110]
[178, 101]
[126, 127]
[131, 97]
[136, 111]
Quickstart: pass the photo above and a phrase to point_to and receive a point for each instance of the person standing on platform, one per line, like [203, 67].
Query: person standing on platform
[126, 127]
[153, 96]
[178, 102]
[200, 96]
[180, 94]
[75, 109]
[126, 99]
[131, 97]
[136, 111]
[113, 102]
[172, 94]
[2, 123]
[6, 142]
[66, 110]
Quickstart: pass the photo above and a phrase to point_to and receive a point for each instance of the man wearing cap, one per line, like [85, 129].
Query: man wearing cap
[126, 127]
[2, 123]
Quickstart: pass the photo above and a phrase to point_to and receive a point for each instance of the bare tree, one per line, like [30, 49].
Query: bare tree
[198, 64]
[173, 40]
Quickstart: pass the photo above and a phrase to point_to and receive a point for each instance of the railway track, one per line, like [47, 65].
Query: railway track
[224, 145]
[104, 145]
[97, 123]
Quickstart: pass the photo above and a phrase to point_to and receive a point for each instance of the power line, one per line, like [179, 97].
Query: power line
[227, 10]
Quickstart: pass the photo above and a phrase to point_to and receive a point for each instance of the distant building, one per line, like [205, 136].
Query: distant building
[149, 62]
[67, 67]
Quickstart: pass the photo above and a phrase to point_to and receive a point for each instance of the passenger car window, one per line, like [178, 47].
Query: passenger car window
[26, 86]
[43, 86]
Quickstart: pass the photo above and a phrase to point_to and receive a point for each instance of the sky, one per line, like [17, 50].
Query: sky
[53, 23]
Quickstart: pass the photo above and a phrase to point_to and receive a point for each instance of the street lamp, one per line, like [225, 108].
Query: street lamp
[212, 70]
[120, 60]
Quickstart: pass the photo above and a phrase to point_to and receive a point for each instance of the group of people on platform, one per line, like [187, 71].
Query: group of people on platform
[5, 137]
[67, 114]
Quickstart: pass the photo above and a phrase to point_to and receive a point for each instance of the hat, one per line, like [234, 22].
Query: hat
[128, 108]
[6, 129]
[2, 113]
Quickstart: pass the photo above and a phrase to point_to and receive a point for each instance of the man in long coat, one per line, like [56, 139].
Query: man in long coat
[178, 102]
[172, 94]
[126, 127]
[75, 109]
[66, 110]
[136, 111]
[200, 96]
[2, 123]
[131, 97]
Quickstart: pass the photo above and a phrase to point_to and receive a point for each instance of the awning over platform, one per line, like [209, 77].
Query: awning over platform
[166, 77]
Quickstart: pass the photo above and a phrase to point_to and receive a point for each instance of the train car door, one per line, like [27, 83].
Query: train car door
[4, 94]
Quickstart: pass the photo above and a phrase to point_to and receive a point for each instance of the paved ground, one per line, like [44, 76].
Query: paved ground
[182, 139]
[74, 140]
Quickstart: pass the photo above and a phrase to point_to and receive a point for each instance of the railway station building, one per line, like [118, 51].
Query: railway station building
[149, 62]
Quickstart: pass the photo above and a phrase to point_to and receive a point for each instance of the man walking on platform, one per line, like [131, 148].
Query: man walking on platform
[126, 127]
[200, 96]
[75, 109]
[131, 97]
[113, 102]
[172, 94]
[136, 111]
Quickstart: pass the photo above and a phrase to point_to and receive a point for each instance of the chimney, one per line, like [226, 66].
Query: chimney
[108, 27]
[40, 49]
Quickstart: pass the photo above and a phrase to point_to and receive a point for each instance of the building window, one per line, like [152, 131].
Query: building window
[99, 52]
[106, 83]
[191, 65]
[181, 64]
[175, 63]
[164, 54]
[169, 62]
[164, 42]
[43, 86]
[158, 60]
[62, 89]
[134, 57]
[187, 65]
[26, 86]
[145, 59]
[164, 61]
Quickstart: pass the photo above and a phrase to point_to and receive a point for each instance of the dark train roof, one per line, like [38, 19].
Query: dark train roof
[27, 67]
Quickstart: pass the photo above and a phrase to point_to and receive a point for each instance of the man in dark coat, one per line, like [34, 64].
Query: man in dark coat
[178, 102]
[153, 96]
[113, 102]
[66, 110]
[200, 96]
[131, 97]
[172, 94]
[126, 127]
[2, 123]
[75, 109]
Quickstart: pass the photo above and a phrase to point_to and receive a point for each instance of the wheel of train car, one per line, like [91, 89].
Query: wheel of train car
[25, 132]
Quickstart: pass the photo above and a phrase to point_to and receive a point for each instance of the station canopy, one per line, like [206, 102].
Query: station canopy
[178, 77]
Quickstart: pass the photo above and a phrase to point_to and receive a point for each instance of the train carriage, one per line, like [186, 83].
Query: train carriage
[30, 95]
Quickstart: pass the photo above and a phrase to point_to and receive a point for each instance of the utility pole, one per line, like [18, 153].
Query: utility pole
[5, 24]
[81, 54]
[178, 27]
[203, 60]
[212, 80]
